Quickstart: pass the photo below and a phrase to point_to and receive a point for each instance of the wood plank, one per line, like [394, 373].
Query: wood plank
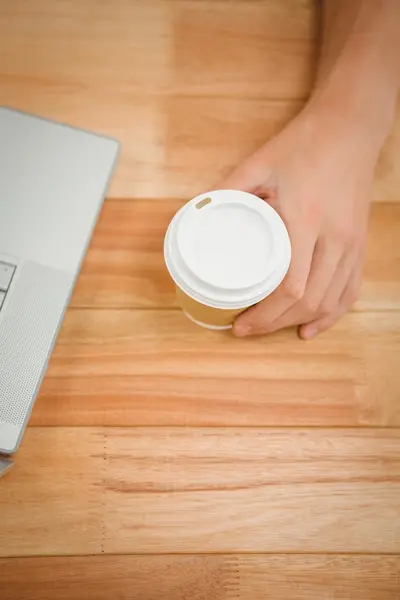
[323, 577]
[122, 577]
[215, 577]
[252, 490]
[184, 111]
[147, 54]
[158, 46]
[157, 368]
[125, 267]
[381, 278]
[51, 501]
[183, 490]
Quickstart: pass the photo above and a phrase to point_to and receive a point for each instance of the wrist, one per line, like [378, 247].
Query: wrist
[359, 123]
[358, 95]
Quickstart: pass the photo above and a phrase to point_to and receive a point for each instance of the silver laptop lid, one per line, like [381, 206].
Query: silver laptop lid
[53, 179]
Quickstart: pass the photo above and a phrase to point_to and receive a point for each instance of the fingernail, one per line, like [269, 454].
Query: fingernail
[241, 329]
[308, 333]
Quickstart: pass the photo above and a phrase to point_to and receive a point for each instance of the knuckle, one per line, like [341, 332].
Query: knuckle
[347, 237]
[310, 305]
[345, 234]
[327, 308]
[294, 289]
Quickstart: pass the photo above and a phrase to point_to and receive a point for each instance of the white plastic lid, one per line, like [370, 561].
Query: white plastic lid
[227, 249]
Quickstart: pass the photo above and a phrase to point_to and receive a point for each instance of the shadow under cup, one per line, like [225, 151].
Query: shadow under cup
[225, 250]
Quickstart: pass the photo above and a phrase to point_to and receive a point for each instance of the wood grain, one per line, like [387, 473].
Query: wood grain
[323, 577]
[51, 501]
[125, 266]
[122, 577]
[236, 490]
[156, 368]
[215, 577]
[123, 73]
[381, 277]
[139, 490]
[158, 45]
[186, 112]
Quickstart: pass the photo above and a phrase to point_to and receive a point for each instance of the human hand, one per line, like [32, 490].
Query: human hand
[317, 174]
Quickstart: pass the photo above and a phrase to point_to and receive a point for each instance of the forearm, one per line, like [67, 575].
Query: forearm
[359, 68]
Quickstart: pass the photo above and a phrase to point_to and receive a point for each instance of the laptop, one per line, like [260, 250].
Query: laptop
[53, 180]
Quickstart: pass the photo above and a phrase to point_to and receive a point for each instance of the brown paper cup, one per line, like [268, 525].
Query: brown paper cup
[225, 250]
[207, 316]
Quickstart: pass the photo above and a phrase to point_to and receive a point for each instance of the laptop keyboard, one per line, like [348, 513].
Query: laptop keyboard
[6, 274]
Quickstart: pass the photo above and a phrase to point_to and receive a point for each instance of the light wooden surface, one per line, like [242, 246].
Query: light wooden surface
[153, 367]
[182, 490]
[164, 461]
[189, 87]
[125, 268]
[206, 577]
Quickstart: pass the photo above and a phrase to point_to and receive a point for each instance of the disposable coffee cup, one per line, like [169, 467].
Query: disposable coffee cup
[226, 250]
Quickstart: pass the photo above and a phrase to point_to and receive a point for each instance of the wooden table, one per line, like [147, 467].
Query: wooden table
[163, 461]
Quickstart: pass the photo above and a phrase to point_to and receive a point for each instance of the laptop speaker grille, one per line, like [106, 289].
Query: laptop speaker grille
[28, 324]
